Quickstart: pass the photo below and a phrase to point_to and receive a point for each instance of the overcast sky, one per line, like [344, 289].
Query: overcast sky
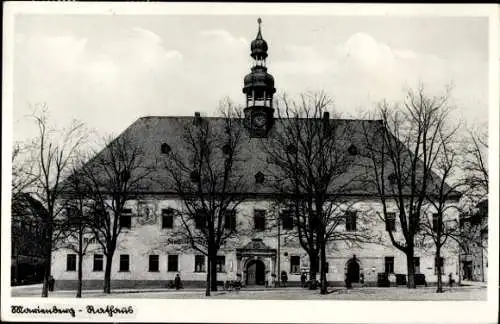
[110, 70]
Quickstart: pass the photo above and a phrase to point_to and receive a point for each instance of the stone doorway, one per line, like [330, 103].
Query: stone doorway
[353, 270]
[256, 273]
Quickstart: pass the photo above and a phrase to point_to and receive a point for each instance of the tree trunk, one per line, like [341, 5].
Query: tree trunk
[207, 290]
[323, 289]
[107, 273]
[410, 265]
[313, 261]
[439, 274]
[47, 261]
[213, 273]
[80, 271]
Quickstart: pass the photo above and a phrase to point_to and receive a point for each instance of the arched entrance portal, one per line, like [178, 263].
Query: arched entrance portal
[256, 273]
[353, 270]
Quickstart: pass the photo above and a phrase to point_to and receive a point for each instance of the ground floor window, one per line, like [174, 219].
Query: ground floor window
[173, 263]
[294, 264]
[221, 263]
[71, 262]
[124, 262]
[154, 263]
[389, 264]
[98, 261]
[199, 263]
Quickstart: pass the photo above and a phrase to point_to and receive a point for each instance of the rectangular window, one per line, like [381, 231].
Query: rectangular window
[350, 221]
[294, 264]
[390, 224]
[259, 218]
[416, 263]
[126, 218]
[221, 263]
[98, 261]
[173, 263]
[287, 219]
[71, 262]
[199, 263]
[199, 220]
[154, 263]
[389, 264]
[438, 264]
[100, 217]
[124, 262]
[436, 223]
[230, 220]
[167, 218]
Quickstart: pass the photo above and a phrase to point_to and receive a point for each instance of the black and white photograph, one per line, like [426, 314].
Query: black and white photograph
[248, 162]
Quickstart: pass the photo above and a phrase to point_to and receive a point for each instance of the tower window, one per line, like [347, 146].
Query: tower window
[259, 219]
[350, 221]
[259, 177]
[165, 148]
[167, 218]
[352, 150]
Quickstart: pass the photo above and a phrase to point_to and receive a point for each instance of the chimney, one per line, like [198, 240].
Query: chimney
[197, 118]
[326, 122]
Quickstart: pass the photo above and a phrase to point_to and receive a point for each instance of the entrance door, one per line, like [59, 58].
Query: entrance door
[467, 270]
[353, 271]
[256, 274]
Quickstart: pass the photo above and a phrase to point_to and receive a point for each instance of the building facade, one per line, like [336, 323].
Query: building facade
[150, 254]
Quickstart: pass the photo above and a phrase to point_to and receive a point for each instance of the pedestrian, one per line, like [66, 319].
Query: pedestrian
[303, 279]
[51, 282]
[284, 278]
[177, 282]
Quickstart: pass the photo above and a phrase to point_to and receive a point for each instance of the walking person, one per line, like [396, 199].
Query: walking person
[177, 282]
[303, 279]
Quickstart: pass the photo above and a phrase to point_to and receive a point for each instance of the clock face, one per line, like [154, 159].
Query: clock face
[259, 120]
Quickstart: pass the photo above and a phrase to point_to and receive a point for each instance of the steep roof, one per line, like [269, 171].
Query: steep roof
[149, 133]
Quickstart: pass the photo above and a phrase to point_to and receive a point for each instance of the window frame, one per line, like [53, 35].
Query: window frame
[167, 213]
[123, 258]
[349, 216]
[203, 264]
[220, 264]
[231, 214]
[386, 263]
[256, 212]
[151, 259]
[173, 257]
[99, 258]
[71, 262]
[293, 265]
[127, 214]
[390, 222]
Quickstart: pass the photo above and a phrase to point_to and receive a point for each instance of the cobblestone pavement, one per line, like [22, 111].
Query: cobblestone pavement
[364, 293]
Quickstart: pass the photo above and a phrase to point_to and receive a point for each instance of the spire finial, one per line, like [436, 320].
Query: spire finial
[259, 21]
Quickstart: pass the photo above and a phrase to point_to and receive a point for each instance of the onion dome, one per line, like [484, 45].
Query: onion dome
[259, 45]
[259, 79]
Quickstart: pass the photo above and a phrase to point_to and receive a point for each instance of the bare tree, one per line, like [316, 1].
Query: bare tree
[403, 148]
[476, 165]
[205, 170]
[442, 200]
[76, 221]
[114, 176]
[51, 154]
[309, 161]
[23, 173]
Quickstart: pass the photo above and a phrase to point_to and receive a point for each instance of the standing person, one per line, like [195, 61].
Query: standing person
[284, 278]
[303, 279]
[177, 282]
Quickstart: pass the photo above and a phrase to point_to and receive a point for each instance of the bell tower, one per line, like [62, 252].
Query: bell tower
[259, 90]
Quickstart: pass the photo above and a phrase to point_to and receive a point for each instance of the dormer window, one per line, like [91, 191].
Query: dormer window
[259, 177]
[165, 148]
[226, 149]
[194, 176]
[352, 150]
[291, 149]
[392, 179]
